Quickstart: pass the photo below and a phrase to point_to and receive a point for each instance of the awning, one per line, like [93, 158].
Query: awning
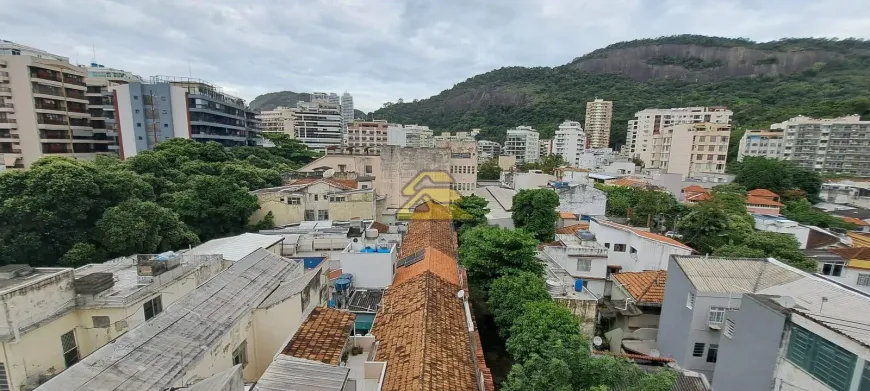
[10, 161]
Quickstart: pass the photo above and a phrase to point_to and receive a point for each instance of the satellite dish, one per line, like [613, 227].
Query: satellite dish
[597, 341]
[329, 173]
[786, 301]
[655, 353]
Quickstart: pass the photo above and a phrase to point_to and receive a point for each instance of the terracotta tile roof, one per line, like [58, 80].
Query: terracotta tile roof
[861, 253]
[423, 337]
[572, 229]
[854, 220]
[346, 184]
[424, 233]
[648, 235]
[567, 215]
[322, 336]
[434, 261]
[763, 193]
[697, 197]
[626, 182]
[644, 287]
[333, 274]
[694, 189]
[757, 200]
[381, 227]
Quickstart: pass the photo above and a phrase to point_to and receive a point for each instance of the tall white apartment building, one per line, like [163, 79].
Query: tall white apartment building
[414, 136]
[599, 113]
[690, 149]
[570, 142]
[650, 122]
[44, 108]
[347, 108]
[101, 102]
[828, 145]
[318, 125]
[319, 97]
[487, 150]
[334, 99]
[630, 139]
[765, 143]
[522, 142]
[279, 120]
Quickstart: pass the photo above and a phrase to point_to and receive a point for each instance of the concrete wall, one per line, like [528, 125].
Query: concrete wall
[24, 304]
[356, 205]
[675, 323]
[402, 165]
[650, 255]
[352, 163]
[583, 199]
[38, 352]
[270, 340]
[585, 309]
[757, 334]
[370, 270]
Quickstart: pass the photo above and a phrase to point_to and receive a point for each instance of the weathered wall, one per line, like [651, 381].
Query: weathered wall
[586, 310]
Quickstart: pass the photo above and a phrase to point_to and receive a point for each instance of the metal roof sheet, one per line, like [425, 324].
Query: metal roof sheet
[737, 275]
[290, 373]
[234, 248]
[293, 287]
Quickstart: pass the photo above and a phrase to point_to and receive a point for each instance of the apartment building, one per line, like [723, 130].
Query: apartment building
[763, 143]
[582, 258]
[318, 125]
[650, 122]
[632, 249]
[412, 136]
[44, 108]
[363, 162]
[145, 114]
[599, 114]
[487, 150]
[101, 105]
[458, 136]
[690, 149]
[313, 199]
[523, 143]
[347, 112]
[570, 142]
[279, 120]
[371, 134]
[546, 148]
[828, 145]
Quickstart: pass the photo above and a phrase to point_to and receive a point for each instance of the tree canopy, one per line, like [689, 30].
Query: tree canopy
[469, 211]
[490, 252]
[489, 170]
[509, 294]
[778, 176]
[535, 211]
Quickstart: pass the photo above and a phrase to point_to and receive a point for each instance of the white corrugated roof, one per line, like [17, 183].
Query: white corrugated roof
[291, 373]
[234, 248]
[737, 275]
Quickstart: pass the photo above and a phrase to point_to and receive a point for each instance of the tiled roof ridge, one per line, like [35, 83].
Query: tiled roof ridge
[653, 282]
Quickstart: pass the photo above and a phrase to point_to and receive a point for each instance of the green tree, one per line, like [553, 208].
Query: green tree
[732, 187]
[213, 206]
[714, 223]
[135, 227]
[490, 252]
[783, 247]
[539, 374]
[489, 170]
[509, 294]
[535, 211]
[544, 327]
[81, 254]
[778, 176]
[802, 211]
[651, 203]
[469, 211]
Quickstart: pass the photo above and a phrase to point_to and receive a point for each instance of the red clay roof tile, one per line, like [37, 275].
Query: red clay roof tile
[322, 336]
[644, 287]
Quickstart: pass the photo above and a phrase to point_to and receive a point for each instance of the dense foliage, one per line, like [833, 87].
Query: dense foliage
[802, 211]
[489, 170]
[510, 293]
[535, 211]
[655, 209]
[490, 252]
[778, 176]
[183, 192]
[469, 211]
[543, 97]
[547, 165]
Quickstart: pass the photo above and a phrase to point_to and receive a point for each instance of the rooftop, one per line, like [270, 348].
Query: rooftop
[14, 280]
[290, 373]
[424, 232]
[429, 259]
[759, 200]
[644, 287]
[645, 234]
[365, 300]
[322, 337]
[235, 248]
[855, 220]
[567, 215]
[572, 229]
[737, 275]
[347, 184]
[199, 319]
[763, 193]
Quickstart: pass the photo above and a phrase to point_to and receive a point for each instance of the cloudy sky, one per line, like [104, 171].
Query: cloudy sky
[381, 50]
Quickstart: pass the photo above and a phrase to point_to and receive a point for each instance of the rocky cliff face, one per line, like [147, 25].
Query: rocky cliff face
[699, 63]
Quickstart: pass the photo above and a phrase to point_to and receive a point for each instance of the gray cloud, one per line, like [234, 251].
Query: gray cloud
[381, 50]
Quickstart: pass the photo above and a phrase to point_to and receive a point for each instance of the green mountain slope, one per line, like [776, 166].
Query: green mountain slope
[762, 82]
[271, 100]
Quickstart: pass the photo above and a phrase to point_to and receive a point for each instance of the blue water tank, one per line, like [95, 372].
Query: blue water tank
[384, 250]
[578, 285]
[346, 276]
[367, 250]
[342, 284]
[331, 303]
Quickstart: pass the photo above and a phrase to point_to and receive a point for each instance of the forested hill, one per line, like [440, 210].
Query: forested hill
[271, 100]
[762, 82]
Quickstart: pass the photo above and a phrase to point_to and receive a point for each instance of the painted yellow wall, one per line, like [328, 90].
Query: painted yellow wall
[38, 352]
[271, 339]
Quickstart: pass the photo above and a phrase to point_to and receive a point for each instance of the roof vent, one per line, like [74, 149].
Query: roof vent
[16, 270]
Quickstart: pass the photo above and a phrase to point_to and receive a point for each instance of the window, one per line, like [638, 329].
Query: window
[619, 247]
[135, 97]
[309, 215]
[100, 322]
[824, 360]
[165, 125]
[4, 381]
[293, 201]
[337, 199]
[153, 307]
[240, 355]
[70, 348]
[865, 377]
[584, 265]
[632, 250]
[712, 353]
[165, 112]
[138, 124]
[137, 111]
[316, 197]
[702, 139]
[607, 245]
[342, 167]
[864, 279]
[716, 315]
[364, 187]
[729, 329]
[163, 98]
[834, 269]
[322, 215]
[698, 350]
[690, 301]
[368, 169]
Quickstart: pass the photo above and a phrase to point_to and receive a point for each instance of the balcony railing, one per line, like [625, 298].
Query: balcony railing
[7, 121]
[5, 89]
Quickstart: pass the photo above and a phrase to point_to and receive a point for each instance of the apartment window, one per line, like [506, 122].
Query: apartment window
[368, 169]
[711, 148]
[337, 199]
[138, 124]
[607, 245]
[364, 187]
[240, 355]
[864, 279]
[70, 348]
[165, 125]
[309, 215]
[724, 139]
[834, 269]
[699, 157]
[701, 139]
[342, 167]
[632, 250]
[584, 265]
[293, 201]
[137, 111]
[135, 97]
[822, 359]
[153, 307]
[100, 322]
[729, 329]
[712, 353]
[619, 247]
[163, 98]
[316, 197]
[322, 215]
[690, 301]
[716, 315]
[698, 350]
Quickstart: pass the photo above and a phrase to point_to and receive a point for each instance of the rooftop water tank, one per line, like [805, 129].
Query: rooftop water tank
[578, 285]
[342, 284]
[585, 235]
[371, 233]
[346, 276]
[555, 287]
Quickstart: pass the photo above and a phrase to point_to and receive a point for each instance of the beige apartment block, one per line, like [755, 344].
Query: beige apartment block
[523, 142]
[828, 145]
[279, 120]
[690, 149]
[650, 122]
[599, 113]
[313, 199]
[44, 111]
[764, 143]
[372, 134]
[363, 162]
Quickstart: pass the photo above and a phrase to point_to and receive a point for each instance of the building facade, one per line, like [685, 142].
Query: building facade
[101, 101]
[650, 122]
[546, 148]
[367, 133]
[829, 145]
[487, 150]
[763, 143]
[279, 120]
[347, 112]
[147, 114]
[318, 125]
[523, 143]
[570, 143]
[599, 114]
[690, 149]
[316, 200]
[410, 136]
[634, 250]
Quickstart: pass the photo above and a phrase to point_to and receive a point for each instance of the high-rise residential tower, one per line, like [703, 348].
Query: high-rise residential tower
[522, 142]
[570, 142]
[598, 116]
[650, 122]
[347, 108]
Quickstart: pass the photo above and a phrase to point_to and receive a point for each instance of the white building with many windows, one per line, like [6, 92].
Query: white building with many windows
[412, 136]
[650, 122]
[570, 143]
[522, 142]
[763, 143]
[599, 113]
[828, 145]
[318, 125]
